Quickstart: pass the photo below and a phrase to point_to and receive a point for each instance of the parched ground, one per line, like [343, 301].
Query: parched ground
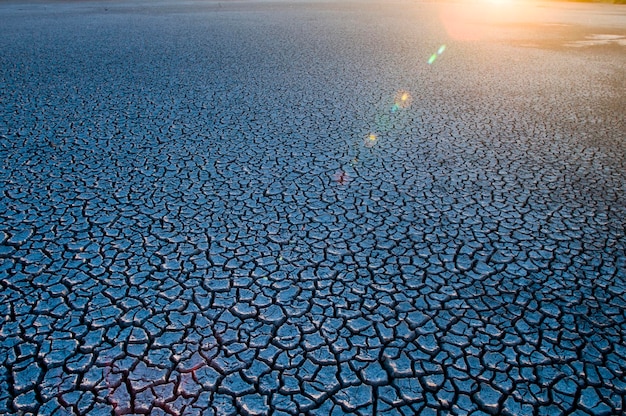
[284, 208]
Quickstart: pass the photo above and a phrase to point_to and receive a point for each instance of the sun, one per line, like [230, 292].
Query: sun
[500, 2]
[473, 20]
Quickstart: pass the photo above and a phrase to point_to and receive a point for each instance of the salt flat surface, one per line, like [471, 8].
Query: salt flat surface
[312, 208]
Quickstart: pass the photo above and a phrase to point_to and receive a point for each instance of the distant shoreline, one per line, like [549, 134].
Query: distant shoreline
[591, 1]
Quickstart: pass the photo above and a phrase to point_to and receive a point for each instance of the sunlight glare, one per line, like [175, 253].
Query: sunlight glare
[402, 100]
[370, 140]
[477, 20]
[434, 56]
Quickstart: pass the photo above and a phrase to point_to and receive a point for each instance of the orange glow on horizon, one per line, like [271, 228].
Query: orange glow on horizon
[476, 20]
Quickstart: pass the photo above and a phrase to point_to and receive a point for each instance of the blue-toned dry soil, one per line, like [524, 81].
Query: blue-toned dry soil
[282, 208]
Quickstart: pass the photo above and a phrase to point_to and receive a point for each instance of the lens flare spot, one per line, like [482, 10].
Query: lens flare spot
[341, 177]
[370, 140]
[402, 100]
[437, 54]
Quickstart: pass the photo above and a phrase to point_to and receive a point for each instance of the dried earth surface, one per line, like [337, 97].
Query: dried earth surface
[216, 208]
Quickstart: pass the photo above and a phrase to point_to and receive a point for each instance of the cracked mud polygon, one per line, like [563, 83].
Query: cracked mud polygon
[286, 208]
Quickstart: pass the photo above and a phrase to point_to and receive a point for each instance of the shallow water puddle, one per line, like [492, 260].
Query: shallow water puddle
[599, 39]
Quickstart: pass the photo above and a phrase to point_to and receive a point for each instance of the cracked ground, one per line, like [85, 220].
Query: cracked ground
[314, 208]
